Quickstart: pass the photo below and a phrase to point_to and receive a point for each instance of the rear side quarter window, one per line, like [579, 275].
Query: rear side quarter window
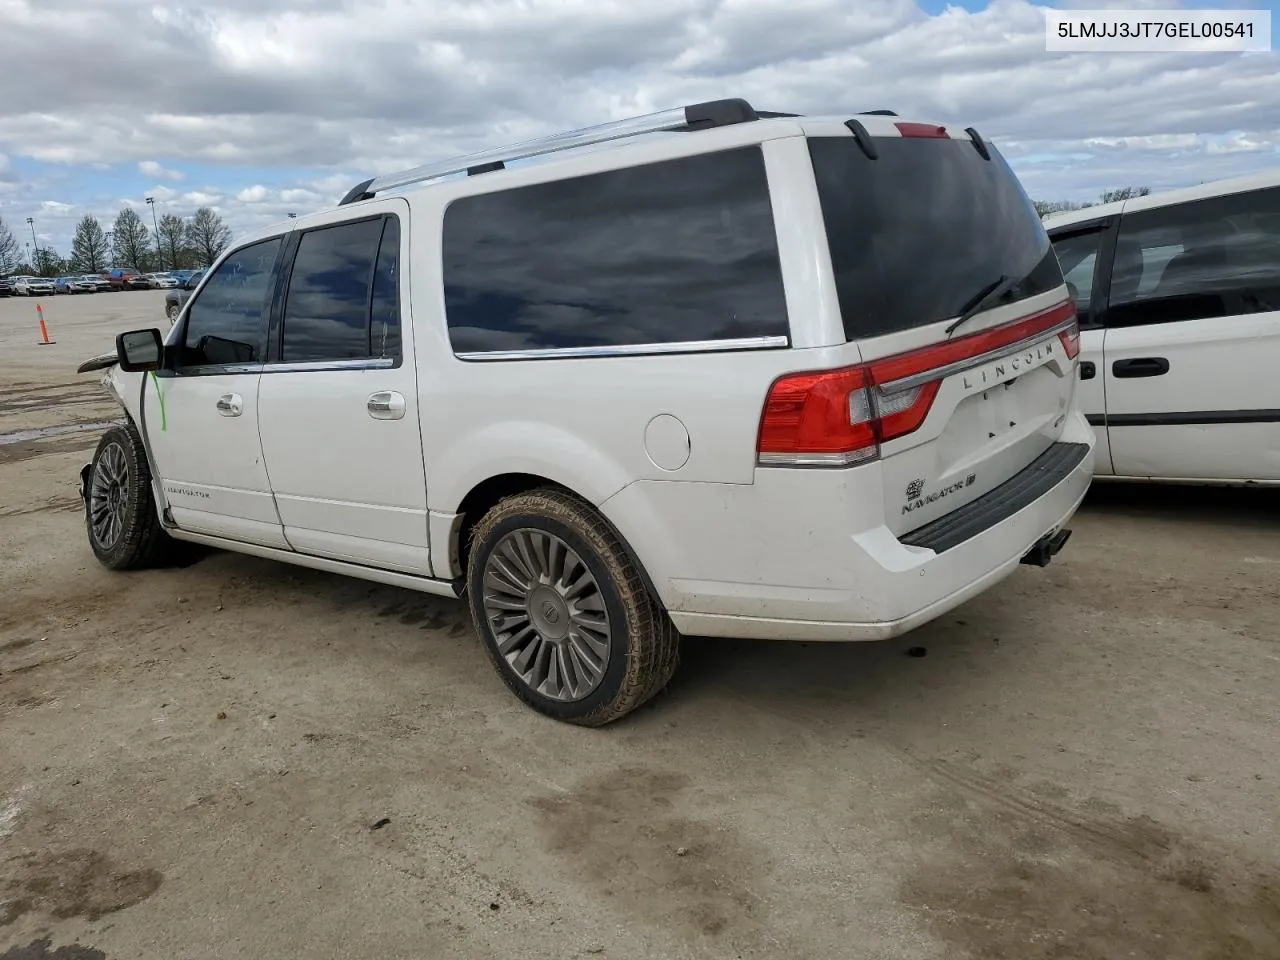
[682, 251]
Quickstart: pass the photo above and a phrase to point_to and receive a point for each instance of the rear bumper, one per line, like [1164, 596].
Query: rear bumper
[788, 572]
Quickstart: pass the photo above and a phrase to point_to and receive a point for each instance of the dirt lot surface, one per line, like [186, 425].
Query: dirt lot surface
[243, 759]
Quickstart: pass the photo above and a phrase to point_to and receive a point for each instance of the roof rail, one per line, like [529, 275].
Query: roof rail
[695, 116]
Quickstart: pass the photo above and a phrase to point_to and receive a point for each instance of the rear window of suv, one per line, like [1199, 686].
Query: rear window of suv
[918, 232]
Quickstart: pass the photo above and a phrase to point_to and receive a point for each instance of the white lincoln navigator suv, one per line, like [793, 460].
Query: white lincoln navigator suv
[711, 371]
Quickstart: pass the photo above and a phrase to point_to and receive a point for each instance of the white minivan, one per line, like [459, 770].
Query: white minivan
[709, 372]
[1179, 299]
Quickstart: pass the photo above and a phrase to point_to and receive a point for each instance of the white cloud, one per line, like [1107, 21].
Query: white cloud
[296, 101]
[151, 168]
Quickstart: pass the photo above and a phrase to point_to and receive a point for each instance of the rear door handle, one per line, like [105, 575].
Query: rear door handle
[1087, 370]
[1140, 367]
[231, 405]
[386, 405]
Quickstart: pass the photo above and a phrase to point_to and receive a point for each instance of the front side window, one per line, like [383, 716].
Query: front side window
[1078, 256]
[227, 321]
[674, 252]
[1217, 257]
[342, 302]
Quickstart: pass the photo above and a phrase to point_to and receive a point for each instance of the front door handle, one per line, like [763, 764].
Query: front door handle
[1087, 370]
[1140, 367]
[386, 405]
[231, 405]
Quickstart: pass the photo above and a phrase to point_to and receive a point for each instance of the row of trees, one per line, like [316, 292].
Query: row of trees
[1048, 207]
[175, 244]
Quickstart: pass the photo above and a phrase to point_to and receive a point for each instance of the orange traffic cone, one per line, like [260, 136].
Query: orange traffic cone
[44, 340]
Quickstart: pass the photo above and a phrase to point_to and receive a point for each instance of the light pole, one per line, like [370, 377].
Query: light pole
[32, 224]
[151, 202]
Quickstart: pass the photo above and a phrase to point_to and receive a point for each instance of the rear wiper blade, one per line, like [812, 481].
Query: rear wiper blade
[984, 298]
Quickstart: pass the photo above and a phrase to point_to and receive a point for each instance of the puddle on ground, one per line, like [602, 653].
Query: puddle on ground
[40, 433]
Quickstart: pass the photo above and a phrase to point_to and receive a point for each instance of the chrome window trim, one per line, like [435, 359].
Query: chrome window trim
[317, 366]
[629, 350]
[960, 366]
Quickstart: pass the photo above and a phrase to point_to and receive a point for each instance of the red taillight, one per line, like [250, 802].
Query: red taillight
[926, 130]
[841, 417]
[1071, 341]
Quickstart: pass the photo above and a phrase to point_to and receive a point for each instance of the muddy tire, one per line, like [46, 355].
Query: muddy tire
[120, 511]
[564, 612]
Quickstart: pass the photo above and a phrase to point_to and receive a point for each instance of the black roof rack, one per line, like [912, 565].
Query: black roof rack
[695, 116]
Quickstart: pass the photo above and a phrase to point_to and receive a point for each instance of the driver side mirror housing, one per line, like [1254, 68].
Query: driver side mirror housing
[140, 350]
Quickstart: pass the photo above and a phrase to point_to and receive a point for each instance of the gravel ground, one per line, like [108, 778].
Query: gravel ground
[243, 759]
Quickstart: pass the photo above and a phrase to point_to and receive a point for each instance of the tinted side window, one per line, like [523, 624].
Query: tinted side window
[1218, 257]
[227, 321]
[384, 327]
[671, 252]
[326, 311]
[1078, 255]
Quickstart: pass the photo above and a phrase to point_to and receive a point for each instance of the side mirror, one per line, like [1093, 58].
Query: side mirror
[139, 350]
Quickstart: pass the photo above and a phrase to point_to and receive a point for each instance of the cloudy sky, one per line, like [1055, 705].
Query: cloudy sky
[261, 107]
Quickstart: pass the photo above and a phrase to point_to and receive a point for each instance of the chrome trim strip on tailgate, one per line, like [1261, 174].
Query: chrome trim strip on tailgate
[1018, 492]
[960, 366]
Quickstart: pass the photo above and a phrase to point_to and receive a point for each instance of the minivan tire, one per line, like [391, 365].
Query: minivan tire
[642, 643]
[117, 494]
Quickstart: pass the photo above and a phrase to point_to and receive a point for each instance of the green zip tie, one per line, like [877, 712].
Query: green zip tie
[164, 420]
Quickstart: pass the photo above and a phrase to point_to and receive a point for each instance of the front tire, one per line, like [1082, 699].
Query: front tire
[120, 511]
[564, 612]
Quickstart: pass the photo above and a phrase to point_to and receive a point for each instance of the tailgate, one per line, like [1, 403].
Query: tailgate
[994, 412]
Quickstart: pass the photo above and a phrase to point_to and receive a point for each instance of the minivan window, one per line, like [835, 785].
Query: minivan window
[227, 320]
[1216, 257]
[1078, 256]
[916, 233]
[672, 252]
[327, 307]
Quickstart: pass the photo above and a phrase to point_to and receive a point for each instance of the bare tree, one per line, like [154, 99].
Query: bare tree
[47, 262]
[172, 239]
[10, 253]
[1123, 193]
[130, 241]
[207, 236]
[89, 247]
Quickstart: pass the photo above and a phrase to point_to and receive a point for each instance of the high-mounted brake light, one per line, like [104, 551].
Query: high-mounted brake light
[837, 418]
[926, 130]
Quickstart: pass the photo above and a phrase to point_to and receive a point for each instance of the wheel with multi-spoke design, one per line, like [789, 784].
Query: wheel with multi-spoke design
[564, 611]
[120, 511]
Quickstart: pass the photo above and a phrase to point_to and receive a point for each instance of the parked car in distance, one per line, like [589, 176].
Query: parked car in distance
[830, 366]
[161, 281]
[126, 278]
[177, 296]
[89, 283]
[1179, 300]
[33, 286]
[6, 287]
[62, 285]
